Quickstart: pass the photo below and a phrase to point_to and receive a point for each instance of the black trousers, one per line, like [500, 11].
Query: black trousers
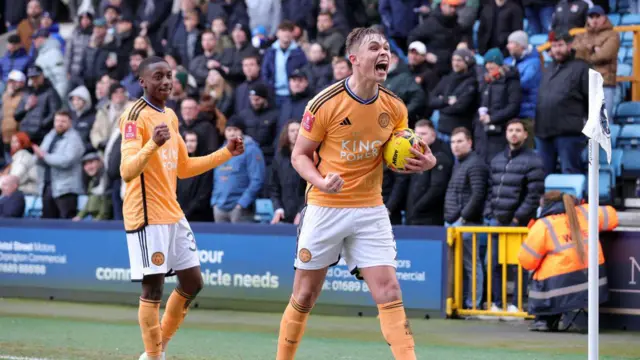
[62, 207]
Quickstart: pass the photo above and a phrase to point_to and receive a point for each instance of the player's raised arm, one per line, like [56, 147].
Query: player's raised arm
[135, 154]
[194, 166]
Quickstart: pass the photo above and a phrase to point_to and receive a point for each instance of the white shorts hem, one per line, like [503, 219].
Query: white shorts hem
[370, 265]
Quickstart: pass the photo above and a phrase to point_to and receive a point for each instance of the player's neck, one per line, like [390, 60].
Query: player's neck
[160, 104]
[362, 88]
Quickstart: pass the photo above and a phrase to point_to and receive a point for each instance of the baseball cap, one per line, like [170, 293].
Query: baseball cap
[297, 73]
[596, 9]
[17, 75]
[91, 156]
[34, 70]
[40, 33]
[418, 47]
[101, 22]
[259, 89]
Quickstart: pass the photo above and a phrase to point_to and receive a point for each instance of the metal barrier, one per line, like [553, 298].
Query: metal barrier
[509, 242]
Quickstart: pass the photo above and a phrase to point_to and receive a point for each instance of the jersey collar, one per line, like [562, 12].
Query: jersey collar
[356, 97]
[152, 106]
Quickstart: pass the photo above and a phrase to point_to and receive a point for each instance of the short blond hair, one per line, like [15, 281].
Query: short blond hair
[357, 36]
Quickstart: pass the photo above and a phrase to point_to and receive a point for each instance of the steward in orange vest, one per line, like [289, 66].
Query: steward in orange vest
[556, 251]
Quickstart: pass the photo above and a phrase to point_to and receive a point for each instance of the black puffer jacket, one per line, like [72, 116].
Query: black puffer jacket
[37, 121]
[261, 126]
[502, 95]
[286, 188]
[496, 24]
[464, 86]
[467, 190]
[569, 14]
[515, 186]
[321, 75]
[427, 190]
[441, 34]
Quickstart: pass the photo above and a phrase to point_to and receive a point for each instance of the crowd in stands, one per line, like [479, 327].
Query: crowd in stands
[498, 115]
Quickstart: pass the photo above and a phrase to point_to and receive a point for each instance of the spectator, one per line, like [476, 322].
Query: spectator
[23, 163]
[50, 60]
[280, 60]
[260, 120]
[422, 67]
[174, 25]
[111, 15]
[221, 91]
[500, 98]
[237, 183]
[400, 81]
[189, 44]
[400, 17]
[426, 191]
[498, 20]
[599, 47]
[539, 13]
[319, 68]
[102, 90]
[38, 105]
[108, 117]
[339, 17]
[207, 141]
[569, 14]
[299, 12]
[15, 58]
[60, 169]
[143, 43]
[98, 205]
[231, 58]
[235, 11]
[562, 108]
[210, 112]
[294, 106]
[209, 59]
[264, 13]
[328, 36]
[526, 59]
[286, 188]
[46, 22]
[178, 92]
[10, 100]
[112, 156]
[341, 69]
[11, 199]
[152, 15]
[78, 44]
[464, 202]
[456, 94]
[125, 8]
[219, 28]
[94, 64]
[467, 13]
[440, 33]
[83, 114]
[121, 47]
[27, 27]
[131, 82]
[516, 184]
[251, 71]
[194, 193]
[394, 187]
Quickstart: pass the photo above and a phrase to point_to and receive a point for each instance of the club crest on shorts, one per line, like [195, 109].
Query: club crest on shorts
[304, 255]
[383, 120]
[157, 258]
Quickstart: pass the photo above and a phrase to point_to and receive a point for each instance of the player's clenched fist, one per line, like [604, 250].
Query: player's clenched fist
[236, 146]
[161, 134]
[332, 183]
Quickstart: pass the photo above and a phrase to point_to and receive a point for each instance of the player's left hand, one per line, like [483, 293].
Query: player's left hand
[421, 162]
[236, 146]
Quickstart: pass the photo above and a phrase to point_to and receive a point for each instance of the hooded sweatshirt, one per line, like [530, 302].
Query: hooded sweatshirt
[84, 118]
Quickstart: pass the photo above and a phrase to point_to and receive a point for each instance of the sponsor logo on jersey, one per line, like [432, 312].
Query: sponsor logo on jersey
[355, 150]
[307, 121]
[130, 131]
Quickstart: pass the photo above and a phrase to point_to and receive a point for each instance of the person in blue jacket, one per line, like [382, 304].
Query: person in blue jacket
[237, 183]
[15, 58]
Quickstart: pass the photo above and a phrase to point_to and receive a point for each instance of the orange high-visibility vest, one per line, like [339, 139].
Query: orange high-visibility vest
[560, 280]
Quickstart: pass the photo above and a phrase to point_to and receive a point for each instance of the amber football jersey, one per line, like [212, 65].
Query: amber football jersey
[151, 173]
[351, 132]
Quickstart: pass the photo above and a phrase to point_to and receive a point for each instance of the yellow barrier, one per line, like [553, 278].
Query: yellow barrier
[509, 241]
[634, 79]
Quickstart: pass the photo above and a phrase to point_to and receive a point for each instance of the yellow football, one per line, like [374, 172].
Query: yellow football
[396, 150]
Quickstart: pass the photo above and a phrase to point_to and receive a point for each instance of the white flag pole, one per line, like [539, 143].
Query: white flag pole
[594, 276]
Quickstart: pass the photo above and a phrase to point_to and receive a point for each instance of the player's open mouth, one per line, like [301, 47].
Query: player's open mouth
[166, 90]
[381, 67]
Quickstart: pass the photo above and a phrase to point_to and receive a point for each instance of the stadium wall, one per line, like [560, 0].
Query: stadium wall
[245, 267]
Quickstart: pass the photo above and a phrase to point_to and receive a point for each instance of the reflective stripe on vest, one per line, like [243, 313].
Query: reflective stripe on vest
[545, 295]
[605, 215]
[531, 251]
[554, 238]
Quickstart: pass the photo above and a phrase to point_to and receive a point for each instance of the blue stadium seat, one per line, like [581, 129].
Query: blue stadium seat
[628, 58]
[615, 133]
[629, 136]
[547, 58]
[625, 70]
[479, 59]
[538, 39]
[476, 26]
[35, 210]
[615, 19]
[574, 184]
[605, 184]
[525, 25]
[616, 161]
[264, 210]
[82, 201]
[630, 19]
[435, 117]
[627, 39]
[28, 203]
[631, 161]
[622, 53]
[627, 113]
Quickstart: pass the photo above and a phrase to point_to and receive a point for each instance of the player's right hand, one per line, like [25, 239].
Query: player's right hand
[332, 183]
[161, 134]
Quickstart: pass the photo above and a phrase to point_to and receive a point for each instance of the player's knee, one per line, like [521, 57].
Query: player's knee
[306, 297]
[388, 291]
[195, 286]
[152, 292]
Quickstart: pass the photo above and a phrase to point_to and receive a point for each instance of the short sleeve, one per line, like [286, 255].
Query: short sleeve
[313, 126]
[401, 120]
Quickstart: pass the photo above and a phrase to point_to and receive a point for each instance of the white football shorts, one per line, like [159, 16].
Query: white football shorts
[162, 249]
[363, 236]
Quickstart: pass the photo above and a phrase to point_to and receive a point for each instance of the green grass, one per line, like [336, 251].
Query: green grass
[56, 330]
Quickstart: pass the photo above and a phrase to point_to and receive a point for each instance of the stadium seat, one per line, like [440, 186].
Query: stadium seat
[615, 19]
[627, 39]
[82, 201]
[616, 161]
[625, 70]
[547, 58]
[630, 19]
[605, 184]
[28, 203]
[35, 210]
[615, 133]
[479, 59]
[435, 117]
[538, 39]
[574, 184]
[631, 161]
[525, 25]
[627, 113]
[476, 26]
[622, 54]
[628, 58]
[629, 136]
[264, 210]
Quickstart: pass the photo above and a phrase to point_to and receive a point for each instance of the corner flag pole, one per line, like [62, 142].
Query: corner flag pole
[597, 129]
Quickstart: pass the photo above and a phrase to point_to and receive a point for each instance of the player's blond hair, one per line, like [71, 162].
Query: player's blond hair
[357, 36]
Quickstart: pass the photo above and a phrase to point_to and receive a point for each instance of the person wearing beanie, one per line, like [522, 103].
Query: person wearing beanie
[98, 205]
[500, 98]
[78, 44]
[527, 60]
[16, 58]
[238, 182]
[455, 96]
[498, 19]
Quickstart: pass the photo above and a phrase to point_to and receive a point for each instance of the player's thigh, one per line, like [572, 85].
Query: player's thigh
[372, 243]
[183, 251]
[148, 250]
[321, 235]
[307, 285]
